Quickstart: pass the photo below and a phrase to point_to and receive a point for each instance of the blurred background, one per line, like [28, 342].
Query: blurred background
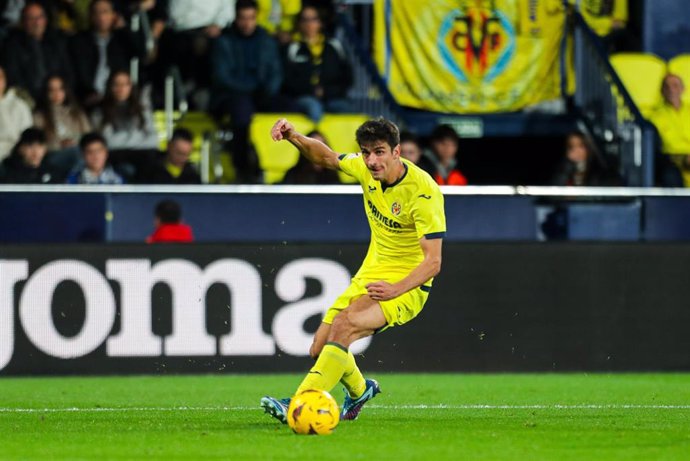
[559, 131]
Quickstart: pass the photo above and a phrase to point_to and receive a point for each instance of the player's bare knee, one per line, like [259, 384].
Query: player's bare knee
[341, 328]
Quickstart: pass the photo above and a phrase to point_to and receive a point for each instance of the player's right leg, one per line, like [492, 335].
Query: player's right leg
[360, 319]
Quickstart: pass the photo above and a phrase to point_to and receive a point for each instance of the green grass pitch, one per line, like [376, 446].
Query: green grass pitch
[418, 416]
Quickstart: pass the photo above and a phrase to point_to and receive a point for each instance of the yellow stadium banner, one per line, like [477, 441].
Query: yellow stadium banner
[470, 56]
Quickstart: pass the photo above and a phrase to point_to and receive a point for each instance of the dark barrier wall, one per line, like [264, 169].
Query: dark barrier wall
[42, 217]
[252, 308]
[240, 217]
[32, 218]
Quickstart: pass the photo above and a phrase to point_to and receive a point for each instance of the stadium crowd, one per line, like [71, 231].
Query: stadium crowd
[80, 73]
[80, 80]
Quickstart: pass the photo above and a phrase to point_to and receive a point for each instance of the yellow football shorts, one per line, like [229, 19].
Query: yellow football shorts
[397, 311]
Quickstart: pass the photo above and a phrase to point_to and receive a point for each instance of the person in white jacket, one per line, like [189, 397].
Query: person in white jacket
[15, 117]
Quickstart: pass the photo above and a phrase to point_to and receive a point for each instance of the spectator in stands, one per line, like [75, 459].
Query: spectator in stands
[65, 15]
[672, 120]
[306, 172]
[96, 169]
[126, 121]
[15, 117]
[101, 49]
[185, 41]
[583, 165]
[410, 148]
[34, 52]
[603, 17]
[443, 158]
[175, 168]
[25, 164]
[320, 74]
[63, 121]
[169, 225]
[246, 75]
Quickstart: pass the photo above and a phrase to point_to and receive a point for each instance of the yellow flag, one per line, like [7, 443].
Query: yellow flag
[470, 56]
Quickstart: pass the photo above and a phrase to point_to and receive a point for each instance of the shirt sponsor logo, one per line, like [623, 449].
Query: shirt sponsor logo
[385, 220]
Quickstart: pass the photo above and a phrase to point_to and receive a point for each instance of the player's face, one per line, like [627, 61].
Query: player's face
[381, 160]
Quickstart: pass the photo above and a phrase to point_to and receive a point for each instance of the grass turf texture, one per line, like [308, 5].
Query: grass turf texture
[430, 417]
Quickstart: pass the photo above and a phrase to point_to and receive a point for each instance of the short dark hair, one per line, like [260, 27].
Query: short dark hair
[32, 135]
[168, 211]
[442, 132]
[182, 133]
[246, 4]
[90, 138]
[378, 129]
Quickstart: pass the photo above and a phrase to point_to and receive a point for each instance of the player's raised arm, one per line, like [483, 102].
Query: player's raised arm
[314, 150]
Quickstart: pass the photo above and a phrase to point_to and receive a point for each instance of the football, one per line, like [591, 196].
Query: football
[313, 412]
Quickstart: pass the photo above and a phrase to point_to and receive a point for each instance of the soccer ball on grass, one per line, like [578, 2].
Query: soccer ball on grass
[313, 412]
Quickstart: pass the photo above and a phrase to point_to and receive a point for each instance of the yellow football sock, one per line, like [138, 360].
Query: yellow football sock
[327, 370]
[352, 378]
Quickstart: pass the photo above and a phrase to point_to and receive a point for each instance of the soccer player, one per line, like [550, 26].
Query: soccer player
[404, 207]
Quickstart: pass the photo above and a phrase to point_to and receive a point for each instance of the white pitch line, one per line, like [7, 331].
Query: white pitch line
[386, 407]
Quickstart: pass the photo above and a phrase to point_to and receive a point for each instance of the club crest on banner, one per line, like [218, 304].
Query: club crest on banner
[476, 41]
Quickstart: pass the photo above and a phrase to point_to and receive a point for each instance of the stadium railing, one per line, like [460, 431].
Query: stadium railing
[609, 111]
[369, 93]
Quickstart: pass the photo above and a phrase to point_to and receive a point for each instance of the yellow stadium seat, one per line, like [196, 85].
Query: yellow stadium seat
[275, 158]
[339, 130]
[642, 74]
[159, 123]
[680, 66]
[200, 124]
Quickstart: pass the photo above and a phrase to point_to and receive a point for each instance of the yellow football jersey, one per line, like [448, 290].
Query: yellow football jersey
[399, 216]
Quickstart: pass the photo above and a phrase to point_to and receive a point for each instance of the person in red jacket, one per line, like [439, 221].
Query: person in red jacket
[444, 146]
[169, 225]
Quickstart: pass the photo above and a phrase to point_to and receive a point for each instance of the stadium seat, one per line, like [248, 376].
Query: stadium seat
[159, 123]
[199, 123]
[680, 65]
[339, 130]
[642, 74]
[275, 158]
